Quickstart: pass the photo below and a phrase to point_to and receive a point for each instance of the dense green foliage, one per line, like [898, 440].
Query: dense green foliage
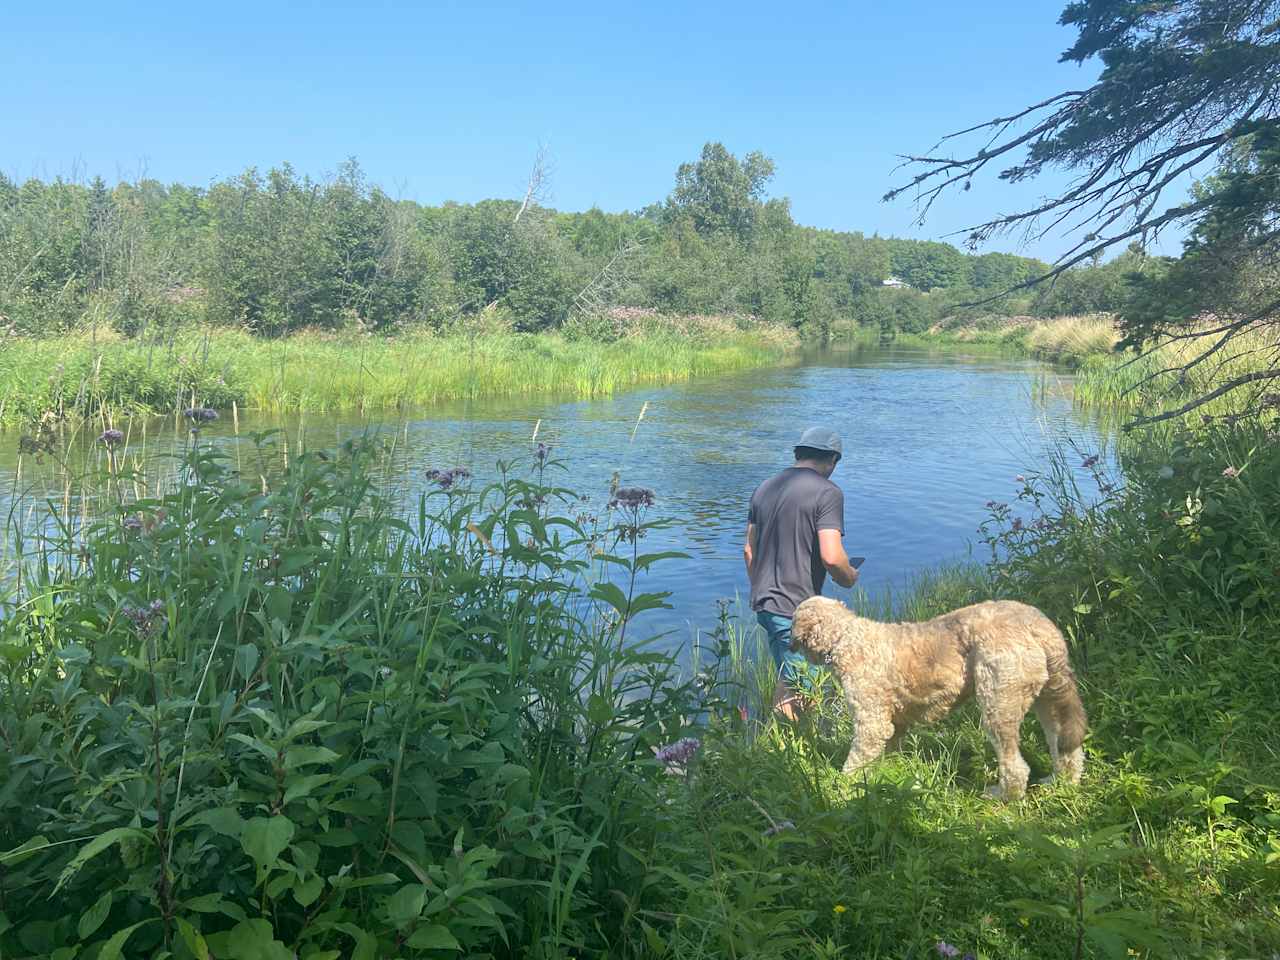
[280, 252]
[243, 723]
[249, 721]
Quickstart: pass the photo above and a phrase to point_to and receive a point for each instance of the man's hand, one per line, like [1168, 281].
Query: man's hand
[831, 549]
[748, 549]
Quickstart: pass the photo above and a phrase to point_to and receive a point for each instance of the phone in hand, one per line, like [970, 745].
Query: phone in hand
[856, 562]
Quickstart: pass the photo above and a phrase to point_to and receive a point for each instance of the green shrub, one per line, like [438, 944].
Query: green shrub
[273, 723]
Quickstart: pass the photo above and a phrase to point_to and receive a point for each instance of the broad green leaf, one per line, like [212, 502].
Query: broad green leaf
[434, 937]
[265, 838]
[193, 939]
[223, 820]
[611, 594]
[255, 940]
[646, 560]
[246, 659]
[265, 749]
[306, 891]
[295, 757]
[93, 918]
[112, 948]
[405, 905]
[366, 944]
[303, 726]
[299, 787]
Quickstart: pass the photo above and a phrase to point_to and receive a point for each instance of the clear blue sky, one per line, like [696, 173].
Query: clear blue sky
[445, 101]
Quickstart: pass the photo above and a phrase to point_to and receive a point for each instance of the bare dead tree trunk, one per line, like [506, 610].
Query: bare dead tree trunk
[539, 182]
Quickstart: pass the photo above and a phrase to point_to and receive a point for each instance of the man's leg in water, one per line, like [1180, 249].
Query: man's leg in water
[786, 700]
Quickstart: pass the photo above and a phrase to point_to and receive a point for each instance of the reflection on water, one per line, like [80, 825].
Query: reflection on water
[929, 438]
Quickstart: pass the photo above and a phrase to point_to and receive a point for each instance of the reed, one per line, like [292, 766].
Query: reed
[83, 377]
[1161, 379]
[1070, 340]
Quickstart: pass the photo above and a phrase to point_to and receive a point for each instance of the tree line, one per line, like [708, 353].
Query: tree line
[280, 252]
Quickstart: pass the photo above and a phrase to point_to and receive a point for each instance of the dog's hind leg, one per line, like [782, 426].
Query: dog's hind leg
[1005, 693]
[1067, 764]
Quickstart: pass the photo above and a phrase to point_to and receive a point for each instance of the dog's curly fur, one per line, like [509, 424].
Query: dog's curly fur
[1009, 655]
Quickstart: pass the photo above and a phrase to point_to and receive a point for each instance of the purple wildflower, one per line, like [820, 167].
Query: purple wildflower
[678, 752]
[676, 756]
[147, 620]
[1017, 524]
[1089, 461]
[541, 453]
[200, 414]
[111, 438]
[447, 478]
[946, 950]
[133, 523]
[631, 498]
[1231, 473]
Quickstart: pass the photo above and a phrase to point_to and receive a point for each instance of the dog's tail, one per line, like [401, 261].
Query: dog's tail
[1060, 699]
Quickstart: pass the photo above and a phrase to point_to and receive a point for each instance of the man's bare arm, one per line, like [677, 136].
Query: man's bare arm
[748, 549]
[831, 548]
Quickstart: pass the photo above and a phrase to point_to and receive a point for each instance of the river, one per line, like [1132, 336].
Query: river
[929, 437]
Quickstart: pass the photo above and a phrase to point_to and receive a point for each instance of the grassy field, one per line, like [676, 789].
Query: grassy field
[83, 375]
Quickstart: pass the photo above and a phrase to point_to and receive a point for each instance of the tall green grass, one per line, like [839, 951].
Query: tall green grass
[1070, 341]
[1168, 587]
[1157, 381]
[81, 376]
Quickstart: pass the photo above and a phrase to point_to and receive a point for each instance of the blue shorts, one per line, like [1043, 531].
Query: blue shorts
[791, 666]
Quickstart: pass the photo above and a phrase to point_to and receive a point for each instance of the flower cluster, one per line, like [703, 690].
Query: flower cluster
[947, 950]
[631, 498]
[111, 438]
[676, 756]
[1231, 473]
[447, 478]
[199, 415]
[541, 452]
[1090, 461]
[147, 620]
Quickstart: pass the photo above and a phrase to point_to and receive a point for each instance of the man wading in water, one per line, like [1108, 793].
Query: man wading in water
[794, 539]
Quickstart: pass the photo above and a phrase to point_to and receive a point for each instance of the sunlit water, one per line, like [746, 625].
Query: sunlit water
[929, 439]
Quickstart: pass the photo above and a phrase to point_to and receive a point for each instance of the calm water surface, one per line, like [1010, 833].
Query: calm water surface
[929, 439]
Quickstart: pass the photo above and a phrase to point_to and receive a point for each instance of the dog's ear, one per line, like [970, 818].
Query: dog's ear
[815, 629]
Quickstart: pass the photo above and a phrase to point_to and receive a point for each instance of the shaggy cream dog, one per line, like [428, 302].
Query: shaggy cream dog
[1008, 654]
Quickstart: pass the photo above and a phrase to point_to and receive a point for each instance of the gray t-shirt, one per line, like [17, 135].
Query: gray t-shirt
[788, 511]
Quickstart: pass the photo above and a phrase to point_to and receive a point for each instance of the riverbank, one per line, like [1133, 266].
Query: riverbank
[113, 377]
[375, 738]
[1168, 586]
[1071, 341]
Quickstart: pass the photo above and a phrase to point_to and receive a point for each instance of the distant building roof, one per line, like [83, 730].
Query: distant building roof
[894, 282]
